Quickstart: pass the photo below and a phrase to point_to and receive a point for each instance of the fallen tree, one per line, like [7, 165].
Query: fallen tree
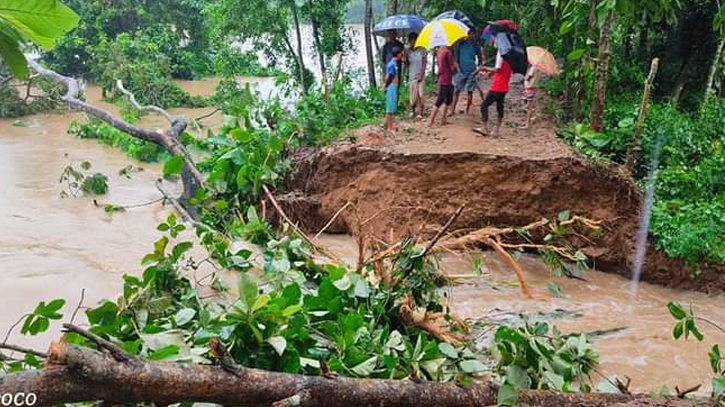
[75, 374]
[167, 139]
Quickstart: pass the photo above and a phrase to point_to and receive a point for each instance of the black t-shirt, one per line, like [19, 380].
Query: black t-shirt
[388, 52]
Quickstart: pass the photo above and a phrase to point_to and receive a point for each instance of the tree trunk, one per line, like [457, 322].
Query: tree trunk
[714, 66]
[320, 53]
[300, 54]
[602, 74]
[369, 44]
[633, 148]
[392, 7]
[76, 374]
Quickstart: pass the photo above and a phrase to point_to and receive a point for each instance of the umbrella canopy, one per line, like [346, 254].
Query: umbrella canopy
[543, 60]
[509, 44]
[404, 24]
[455, 15]
[443, 32]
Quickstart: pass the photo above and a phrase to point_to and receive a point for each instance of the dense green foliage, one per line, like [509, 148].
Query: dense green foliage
[685, 326]
[689, 210]
[135, 148]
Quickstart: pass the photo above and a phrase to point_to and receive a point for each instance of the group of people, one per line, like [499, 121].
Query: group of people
[458, 70]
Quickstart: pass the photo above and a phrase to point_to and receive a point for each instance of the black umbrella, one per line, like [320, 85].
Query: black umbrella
[509, 43]
[456, 15]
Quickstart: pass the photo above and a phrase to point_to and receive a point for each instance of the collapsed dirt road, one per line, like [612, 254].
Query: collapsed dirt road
[409, 184]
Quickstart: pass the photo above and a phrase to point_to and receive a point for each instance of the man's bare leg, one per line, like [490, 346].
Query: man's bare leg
[498, 126]
[469, 103]
[433, 115]
[452, 108]
[444, 120]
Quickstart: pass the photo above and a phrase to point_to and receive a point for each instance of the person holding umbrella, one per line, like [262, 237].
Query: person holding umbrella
[541, 60]
[442, 34]
[501, 73]
[417, 60]
[390, 44]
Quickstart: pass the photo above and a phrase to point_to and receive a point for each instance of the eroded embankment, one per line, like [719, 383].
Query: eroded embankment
[394, 194]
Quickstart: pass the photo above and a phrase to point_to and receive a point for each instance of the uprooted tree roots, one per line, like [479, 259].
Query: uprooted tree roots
[503, 239]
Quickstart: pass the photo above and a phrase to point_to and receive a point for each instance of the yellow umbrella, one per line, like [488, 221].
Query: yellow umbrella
[543, 60]
[441, 32]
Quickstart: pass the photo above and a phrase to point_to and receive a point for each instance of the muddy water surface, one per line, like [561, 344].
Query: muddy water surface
[52, 247]
[639, 345]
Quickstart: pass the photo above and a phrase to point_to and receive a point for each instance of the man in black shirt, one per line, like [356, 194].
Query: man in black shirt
[391, 43]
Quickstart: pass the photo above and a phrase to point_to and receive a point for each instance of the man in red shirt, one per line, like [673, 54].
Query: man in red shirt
[446, 66]
[500, 86]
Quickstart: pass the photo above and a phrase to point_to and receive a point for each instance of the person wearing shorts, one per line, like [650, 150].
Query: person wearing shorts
[392, 81]
[497, 94]
[529, 94]
[417, 60]
[446, 66]
[469, 56]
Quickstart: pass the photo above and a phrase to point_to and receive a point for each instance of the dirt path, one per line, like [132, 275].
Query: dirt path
[537, 143]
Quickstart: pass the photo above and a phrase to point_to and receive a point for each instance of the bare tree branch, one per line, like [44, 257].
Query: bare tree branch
[143, 108]
[168, 139]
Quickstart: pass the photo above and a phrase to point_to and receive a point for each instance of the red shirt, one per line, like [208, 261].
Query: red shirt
[446, 63]
[502, 77]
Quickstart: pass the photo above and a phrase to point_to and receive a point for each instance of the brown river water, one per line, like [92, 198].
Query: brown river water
[52, 247]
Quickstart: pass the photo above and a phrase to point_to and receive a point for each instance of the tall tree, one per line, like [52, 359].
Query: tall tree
[602, 73]
[369, 44]
[300, 54]
[392, 7]
[318, 45]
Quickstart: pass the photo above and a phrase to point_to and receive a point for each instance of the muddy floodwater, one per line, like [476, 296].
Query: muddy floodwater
[636, 339]
[52, 247]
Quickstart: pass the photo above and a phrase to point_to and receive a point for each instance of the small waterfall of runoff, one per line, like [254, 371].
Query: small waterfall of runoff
[645, 214]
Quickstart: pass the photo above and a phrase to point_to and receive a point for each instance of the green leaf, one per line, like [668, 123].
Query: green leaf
[173, 165]
[555, 290]
[715, 359]
[41, 21]
[718, 386]
[164, 352]
[576, 54]
[448, 350]
[564, 216]
[517, 377]
[291, 310]
[248, 291]
[278, 343]
[507, 396]
[260, 302]
[690, 327]
[366, 368]
[344, 283]
[13, 57]
[180, 249]
[676, 310]
[472, 366]
[556, 381]
[433, 366]
[51, 309]
[677, 330]
[184, 316]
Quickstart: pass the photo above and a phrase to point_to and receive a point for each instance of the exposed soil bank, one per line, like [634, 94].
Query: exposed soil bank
[394, 194]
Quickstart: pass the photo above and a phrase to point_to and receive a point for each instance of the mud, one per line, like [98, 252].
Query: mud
[395, 193]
